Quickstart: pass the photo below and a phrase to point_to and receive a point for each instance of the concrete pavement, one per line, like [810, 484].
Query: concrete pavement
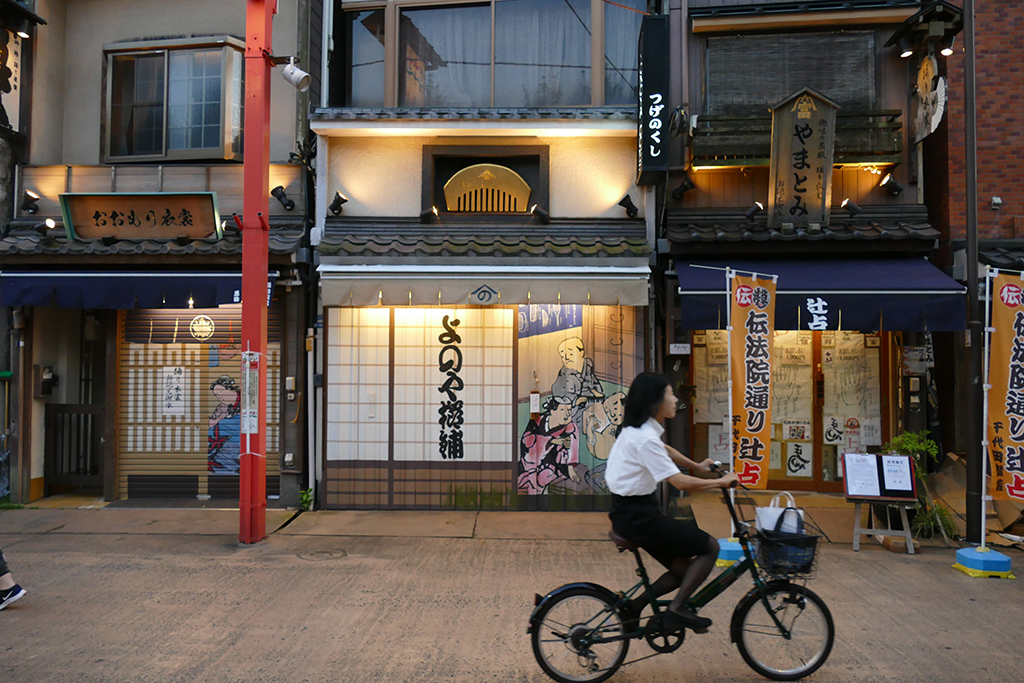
[411, 597]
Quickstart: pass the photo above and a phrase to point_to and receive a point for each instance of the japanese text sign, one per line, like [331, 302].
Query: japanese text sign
[752, 340]
[803, 143]
[1005, 428]
[160, 215]
[652, 99]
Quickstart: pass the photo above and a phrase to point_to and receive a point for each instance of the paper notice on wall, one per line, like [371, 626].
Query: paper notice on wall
[791, 392]
[871, 431]
[832, 430]
[851, 436]
[717, 393]
[173, 392]
[719, 445]
[796, 430]
[775, 456]
[872, 386]
[718, 347]
[798, 459]
[896, 472]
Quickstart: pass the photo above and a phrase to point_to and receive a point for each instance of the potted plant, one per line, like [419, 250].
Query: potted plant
[926, 519]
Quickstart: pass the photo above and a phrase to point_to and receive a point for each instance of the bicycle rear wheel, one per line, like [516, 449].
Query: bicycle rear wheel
[761, 642]
[564, 633]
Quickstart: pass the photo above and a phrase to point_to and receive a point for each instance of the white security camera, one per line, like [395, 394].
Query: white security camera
[997, 202]
[296, 76]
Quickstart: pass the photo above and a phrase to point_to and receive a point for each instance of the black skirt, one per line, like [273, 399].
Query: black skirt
[638, 519]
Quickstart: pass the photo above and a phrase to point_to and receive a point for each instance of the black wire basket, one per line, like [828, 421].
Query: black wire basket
[781, 554]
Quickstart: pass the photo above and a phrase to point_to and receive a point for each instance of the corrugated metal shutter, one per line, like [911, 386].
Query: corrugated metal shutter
[178, 421]
[747, 74]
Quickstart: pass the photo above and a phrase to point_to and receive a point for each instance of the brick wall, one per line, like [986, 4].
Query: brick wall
[999, 74]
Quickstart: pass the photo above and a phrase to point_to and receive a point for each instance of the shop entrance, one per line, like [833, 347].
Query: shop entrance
[73, 450]
[829, 395]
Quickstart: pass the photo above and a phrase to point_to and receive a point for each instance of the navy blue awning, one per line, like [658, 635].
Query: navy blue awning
[122, 289]
[866, 295]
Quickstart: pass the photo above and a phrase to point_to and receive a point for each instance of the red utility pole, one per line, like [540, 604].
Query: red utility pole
[252, 488]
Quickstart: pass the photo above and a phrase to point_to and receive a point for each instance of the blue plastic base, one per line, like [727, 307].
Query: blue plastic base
[988, 562]
[729, 552]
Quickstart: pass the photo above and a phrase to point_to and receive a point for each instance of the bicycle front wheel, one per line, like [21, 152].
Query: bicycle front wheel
[565, 634]
[763, 645]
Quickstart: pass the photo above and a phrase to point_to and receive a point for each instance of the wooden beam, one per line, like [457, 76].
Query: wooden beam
[801, 20]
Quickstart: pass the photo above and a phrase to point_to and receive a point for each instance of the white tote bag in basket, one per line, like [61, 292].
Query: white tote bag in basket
[766, 518]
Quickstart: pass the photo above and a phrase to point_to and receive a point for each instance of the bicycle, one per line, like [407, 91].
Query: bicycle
[782, 629]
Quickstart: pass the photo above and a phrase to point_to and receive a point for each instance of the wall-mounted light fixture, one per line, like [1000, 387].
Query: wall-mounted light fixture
[278, 194]
[890, 185]
[540, 214]
[627, 204]
[28, 202]
[946, 46]
[685, 186]
[299, 79]
[755, 208]
[906, 47]
[428, 215]
[850, 207]
[21, 28]
[339, 201]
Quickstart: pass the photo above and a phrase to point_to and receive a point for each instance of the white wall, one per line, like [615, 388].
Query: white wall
[68, 92]
[382, 176]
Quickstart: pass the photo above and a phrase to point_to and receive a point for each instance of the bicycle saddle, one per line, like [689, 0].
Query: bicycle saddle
[622, 542]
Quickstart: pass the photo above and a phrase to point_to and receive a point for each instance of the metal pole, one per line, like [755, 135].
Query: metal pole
[252, 489]
[729, 275]
[987, 363]
[975, 396]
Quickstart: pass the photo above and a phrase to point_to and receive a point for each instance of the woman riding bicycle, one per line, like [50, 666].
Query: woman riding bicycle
[639, 460]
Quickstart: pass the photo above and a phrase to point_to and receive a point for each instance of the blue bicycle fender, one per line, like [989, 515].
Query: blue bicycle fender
[612, 597]
[752, 594]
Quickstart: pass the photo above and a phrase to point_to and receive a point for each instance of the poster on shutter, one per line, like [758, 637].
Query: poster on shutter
[832, 430]
[753, 322]
[250, 393]
[798, 459]
[1005, 428]
[173, 392]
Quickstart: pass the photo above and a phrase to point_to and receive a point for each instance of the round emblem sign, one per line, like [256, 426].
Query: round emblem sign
[744, 295]
[201, 327]
[1010, 295]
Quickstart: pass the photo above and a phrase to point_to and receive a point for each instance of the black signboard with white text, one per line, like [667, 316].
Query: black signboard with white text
[652, 94]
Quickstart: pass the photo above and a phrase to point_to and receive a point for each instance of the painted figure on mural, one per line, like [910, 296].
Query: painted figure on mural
[549, 451]
[222, 454]
[601, 424]
[576, 379]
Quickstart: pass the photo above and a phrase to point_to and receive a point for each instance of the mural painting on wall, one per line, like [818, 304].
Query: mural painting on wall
[224, 425]
[582, 359]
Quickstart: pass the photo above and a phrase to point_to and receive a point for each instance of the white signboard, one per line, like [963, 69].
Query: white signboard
[896, 473]
[861, 473]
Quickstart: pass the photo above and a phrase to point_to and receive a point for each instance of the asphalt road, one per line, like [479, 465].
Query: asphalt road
[104, 607]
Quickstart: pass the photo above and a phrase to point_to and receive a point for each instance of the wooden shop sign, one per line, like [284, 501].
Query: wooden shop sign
[127, 215]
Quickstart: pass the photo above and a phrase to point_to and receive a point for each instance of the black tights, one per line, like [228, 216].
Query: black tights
[686, 574]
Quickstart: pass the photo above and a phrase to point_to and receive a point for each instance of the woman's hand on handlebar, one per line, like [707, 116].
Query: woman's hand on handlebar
[727, 480]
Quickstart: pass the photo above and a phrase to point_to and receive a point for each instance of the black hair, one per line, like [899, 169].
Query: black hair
[646, 394]
[224, 381]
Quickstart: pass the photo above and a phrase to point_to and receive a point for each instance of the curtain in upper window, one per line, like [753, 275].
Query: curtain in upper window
[621, 34]
[445, 56]
[542, 53]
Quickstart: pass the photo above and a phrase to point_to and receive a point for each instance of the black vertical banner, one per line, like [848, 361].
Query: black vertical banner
[652, 95]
